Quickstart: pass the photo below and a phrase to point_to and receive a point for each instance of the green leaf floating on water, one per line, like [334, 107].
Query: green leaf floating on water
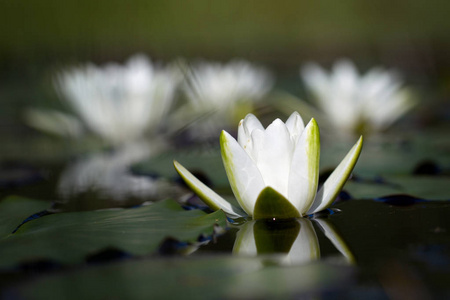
[206, 160]
[70, 237]
[424, 187]
[13, 210]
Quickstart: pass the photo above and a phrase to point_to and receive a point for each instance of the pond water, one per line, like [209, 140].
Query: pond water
[395, 247]
[141, 234]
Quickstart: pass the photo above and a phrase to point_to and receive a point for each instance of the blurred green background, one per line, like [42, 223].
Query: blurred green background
[37, 37]
[281, 32]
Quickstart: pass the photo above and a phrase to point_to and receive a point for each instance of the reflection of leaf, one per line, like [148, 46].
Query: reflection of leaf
[194, 278]
[424, 187]
[69, 237]
[13, 210]
[275, 237]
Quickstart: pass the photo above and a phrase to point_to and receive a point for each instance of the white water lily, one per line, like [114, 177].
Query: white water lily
[354, 102]
[274, 172]
[220, 92]
[119, 103]
[222, 85]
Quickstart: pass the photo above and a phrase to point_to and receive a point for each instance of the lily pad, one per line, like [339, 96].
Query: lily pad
[13, 210]
[394, 154]
[70, 237]
[208, 161]
[424, 187]
[220, 277]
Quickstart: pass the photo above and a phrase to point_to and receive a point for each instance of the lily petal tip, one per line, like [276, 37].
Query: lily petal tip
[313, 122]
[359, 143]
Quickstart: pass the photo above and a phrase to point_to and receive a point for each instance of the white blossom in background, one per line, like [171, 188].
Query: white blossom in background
[223, 93]
[120, 102]
[357, 103]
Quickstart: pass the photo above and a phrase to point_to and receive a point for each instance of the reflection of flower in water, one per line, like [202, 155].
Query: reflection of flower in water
[108, 174]
[119, 103]
[223, 93]
[288, 243]
[274, 172]
[357, 103]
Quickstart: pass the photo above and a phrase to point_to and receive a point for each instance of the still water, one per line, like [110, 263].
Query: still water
[97, 247]
[392, 248]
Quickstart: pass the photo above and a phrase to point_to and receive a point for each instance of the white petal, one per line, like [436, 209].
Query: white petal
[212, 199]
[345, 76]
[335, 182]
[304, 172]
[317, 81]
[54, 122]
[273, 153]
[244, 177]
[245, 129]
[295, 126]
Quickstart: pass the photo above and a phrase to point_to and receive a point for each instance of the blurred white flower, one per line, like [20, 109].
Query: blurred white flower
[223, 93]
[119, 103]
[357, 103]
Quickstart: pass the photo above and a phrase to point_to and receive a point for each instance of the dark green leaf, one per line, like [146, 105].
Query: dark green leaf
[424, 187]
[14, 210]
[69, 237]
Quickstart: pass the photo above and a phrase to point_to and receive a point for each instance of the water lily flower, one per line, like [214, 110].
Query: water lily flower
[119, 103]
[222, 92]
[274, 172]
[357, 103]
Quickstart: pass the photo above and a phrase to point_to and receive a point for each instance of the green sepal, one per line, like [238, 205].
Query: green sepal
[272, 205]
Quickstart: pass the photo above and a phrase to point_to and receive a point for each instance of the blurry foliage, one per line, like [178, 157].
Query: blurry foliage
[38, 38]
[70, 237]
[13, 210]
[231, 28]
